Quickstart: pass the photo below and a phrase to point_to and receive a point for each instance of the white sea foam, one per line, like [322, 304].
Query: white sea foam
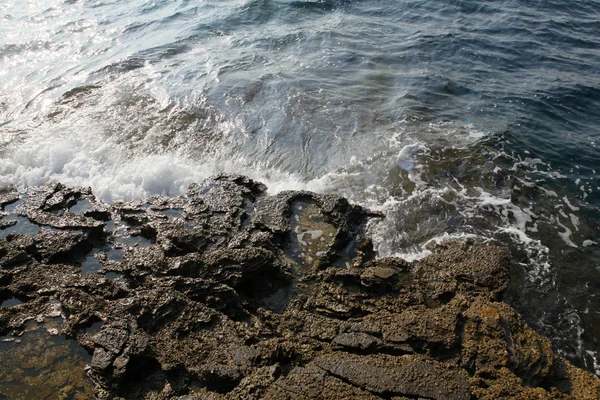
[405, 159]
[566, 234]
[78, 151]
[114, 175]
[423, 251]
[595, 356]
[568, 203]
[107, 149]
[505, 218]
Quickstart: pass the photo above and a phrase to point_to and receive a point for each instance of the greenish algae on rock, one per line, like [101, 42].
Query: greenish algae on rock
[227, 293]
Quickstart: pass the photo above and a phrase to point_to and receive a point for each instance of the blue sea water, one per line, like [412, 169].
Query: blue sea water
[456, 118]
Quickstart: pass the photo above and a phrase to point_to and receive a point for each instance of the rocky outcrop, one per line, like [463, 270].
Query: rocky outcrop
[227, 293]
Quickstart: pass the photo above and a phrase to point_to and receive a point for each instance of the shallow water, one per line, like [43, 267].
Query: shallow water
[10, 302]
[40, 365]
[311, 236]
[456, 118]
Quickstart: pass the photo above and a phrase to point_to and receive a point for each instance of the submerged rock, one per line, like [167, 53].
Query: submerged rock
[229, 293]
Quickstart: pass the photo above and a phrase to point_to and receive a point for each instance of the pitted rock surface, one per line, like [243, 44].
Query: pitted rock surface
[218, 294]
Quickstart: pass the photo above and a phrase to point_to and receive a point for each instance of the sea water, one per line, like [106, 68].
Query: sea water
[458, 119]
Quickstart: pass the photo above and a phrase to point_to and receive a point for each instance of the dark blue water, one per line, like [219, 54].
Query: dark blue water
[457, 118]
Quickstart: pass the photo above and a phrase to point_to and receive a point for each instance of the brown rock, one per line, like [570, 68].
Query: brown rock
[210, 303]
[411, 376]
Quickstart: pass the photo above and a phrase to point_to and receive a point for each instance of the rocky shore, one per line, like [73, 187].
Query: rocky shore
[227, 293]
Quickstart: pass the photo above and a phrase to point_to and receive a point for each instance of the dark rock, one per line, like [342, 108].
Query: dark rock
[8, 198]
[472, 269]
[67, 220]
[495, 336]
[7, 223]
[226, 193]
[102, 359]
[60, 246]
[111, 339]
[50, 206]
[357, 341]
[378, 278]
[424, 329]
[301, 383]
[229, 293]
[16, 250]
[411, 376]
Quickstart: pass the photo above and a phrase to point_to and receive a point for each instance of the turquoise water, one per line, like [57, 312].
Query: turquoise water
[457, 118]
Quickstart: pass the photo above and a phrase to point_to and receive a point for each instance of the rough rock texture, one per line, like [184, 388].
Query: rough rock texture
[227, 293]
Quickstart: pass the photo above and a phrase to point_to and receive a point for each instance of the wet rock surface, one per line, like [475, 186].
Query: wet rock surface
[228, 293]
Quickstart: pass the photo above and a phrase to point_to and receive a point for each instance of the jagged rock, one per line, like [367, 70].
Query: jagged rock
[7, 224]
[227, 293]
[424, 329]
[53, 246]
[102, 359]
[16, 250]
[8, 198]
[357, 341]
[111, 339]
[495, 336]
[476, 270]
